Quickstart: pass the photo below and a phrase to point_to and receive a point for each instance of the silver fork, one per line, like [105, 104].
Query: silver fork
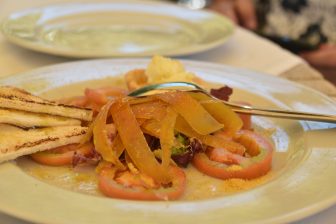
[245, 109]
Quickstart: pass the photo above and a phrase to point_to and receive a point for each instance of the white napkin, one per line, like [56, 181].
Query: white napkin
[240, 51]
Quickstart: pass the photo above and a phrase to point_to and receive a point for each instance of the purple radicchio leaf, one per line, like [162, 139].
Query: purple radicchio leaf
[222, 93]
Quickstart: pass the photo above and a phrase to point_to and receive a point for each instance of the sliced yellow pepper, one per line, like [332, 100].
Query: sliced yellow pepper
[150, 110]
[135, 142]
[118, 146]
[192, 111]
[100, 139]
[210, 140]
[222, 113]
[167, 135]
[151, 127]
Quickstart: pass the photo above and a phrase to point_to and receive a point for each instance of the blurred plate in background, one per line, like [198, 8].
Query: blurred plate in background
[118, 28]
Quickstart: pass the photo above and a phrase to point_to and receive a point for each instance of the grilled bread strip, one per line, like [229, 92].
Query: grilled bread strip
[16, 142]
[27, 119]
[14, 98]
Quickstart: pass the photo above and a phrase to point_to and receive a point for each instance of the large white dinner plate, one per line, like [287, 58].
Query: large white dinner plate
[302, 182]
[116, 28]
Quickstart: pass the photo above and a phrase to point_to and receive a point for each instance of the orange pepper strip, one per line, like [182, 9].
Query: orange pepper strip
[141, 121]
[150, 110]
[136, 100]
[135, 142]
[151, 127]
[182, 126]
[100, 139]
[128, 159]
[210, 140]
[192, 111]
[167, 135]
[222, 113]
[118, 146]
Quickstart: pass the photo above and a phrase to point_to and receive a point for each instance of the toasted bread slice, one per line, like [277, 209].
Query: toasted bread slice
[27, 119]
[14, 98]
[16, 142]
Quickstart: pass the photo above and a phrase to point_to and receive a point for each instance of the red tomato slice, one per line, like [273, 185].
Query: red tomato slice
[111, 188]
[251, 168]
[61, 156]
[247, 123]
[246, 118]
[96, 96]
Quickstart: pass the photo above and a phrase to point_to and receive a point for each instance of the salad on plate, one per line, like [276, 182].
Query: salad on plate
[157, 147]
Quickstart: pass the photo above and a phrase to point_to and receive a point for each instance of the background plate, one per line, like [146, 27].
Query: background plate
[304, 177]
[117, 28]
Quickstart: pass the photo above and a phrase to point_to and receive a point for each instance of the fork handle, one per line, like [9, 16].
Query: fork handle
[283, 114]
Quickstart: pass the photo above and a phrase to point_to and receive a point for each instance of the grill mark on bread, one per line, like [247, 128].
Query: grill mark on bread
[19, 99]
[23, 128]
[31, 144]
[46, 102]
[48, 139]
[76, 134]
[27, 119]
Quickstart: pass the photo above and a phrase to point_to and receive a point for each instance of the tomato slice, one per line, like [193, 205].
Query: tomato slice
[111, 188]
[62, 155]
[249, 168]
[247, 122]
[246, 118]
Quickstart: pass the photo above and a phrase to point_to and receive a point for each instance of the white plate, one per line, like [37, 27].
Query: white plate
[303, 179]
[117, 28]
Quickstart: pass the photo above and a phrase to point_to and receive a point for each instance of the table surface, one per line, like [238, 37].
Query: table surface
[17, 60]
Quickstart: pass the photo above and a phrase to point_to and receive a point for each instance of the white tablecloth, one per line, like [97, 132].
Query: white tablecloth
[244, 49]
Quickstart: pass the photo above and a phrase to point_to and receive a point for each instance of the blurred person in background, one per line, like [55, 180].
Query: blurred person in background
[305, 27]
